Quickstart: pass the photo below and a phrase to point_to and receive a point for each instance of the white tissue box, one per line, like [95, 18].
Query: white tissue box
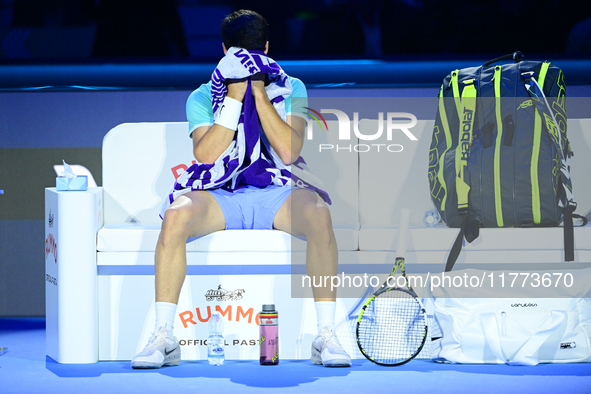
[77, 183]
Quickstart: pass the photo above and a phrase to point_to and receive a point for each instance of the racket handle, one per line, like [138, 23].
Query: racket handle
[403, 232]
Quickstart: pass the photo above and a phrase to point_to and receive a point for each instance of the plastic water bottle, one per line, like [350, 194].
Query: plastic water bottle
[268, 319]
[215, 341]
[431, 218]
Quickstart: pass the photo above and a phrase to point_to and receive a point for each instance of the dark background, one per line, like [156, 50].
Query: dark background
[97, 31]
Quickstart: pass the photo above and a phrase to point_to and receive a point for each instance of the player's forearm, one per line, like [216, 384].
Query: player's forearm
[282, 137]
[213, 143]
[208, 146]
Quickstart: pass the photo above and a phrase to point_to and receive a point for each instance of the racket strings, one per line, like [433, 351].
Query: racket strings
[392, 328]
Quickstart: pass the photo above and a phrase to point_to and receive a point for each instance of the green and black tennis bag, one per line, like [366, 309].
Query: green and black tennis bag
[499, 154]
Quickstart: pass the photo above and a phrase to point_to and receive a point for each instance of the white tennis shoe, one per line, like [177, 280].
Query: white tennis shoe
[327, 350]
[162, 349]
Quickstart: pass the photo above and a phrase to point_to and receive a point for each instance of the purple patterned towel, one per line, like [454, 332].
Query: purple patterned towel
[250, 159]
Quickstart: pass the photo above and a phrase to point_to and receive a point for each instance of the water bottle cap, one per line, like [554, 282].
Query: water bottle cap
[268, 307]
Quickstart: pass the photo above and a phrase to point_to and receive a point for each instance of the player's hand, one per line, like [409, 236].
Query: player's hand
[258, 84]
[237, 88]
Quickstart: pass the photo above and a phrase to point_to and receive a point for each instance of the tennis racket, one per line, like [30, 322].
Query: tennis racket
[392, 325]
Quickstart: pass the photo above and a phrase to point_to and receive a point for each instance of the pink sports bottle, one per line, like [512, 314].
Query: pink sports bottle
[269, 339]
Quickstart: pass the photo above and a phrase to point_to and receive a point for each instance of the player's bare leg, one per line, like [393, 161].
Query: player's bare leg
[305, 214]
[193, 214]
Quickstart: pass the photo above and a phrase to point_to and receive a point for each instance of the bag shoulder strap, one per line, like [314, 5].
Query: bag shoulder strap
[562, 146]
[466, 113]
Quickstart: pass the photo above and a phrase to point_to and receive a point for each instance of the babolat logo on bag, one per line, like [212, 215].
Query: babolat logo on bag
[466, 133]
[530, 305]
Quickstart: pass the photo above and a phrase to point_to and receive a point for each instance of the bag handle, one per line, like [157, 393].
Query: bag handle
[517, 56]
[524, 356]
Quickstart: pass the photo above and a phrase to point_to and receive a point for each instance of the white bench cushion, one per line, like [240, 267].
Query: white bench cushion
[384, 237]
[143, 238]
[518, 245]
[390, 181]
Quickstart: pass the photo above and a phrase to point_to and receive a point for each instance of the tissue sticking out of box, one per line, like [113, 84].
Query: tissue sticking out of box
[67, 172]
[69, 181]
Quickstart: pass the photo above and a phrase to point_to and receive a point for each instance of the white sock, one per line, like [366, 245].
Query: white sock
[165, 312]
[325, 311]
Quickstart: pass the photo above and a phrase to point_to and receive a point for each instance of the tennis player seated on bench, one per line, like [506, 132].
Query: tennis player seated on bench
[247, 141]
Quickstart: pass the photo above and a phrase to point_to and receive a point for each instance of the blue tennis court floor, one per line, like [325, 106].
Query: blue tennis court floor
[25, 368]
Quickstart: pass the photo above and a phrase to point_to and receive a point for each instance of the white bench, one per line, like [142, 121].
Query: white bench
[100, 286]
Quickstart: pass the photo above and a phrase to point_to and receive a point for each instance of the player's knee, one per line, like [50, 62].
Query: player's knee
[175, 222]
[319, 223]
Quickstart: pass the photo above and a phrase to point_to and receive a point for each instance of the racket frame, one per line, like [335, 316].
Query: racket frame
[398, 264]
